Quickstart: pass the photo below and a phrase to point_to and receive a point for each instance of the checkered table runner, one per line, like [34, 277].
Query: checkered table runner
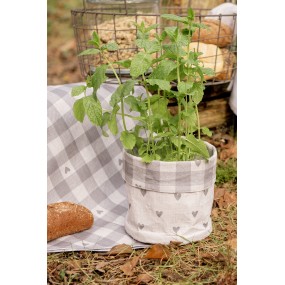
[85, 168]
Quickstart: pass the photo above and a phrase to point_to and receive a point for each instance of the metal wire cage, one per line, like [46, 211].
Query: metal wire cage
[113, 21]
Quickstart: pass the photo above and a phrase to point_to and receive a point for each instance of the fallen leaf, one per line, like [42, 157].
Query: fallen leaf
[144, 278]
[75, 264]
[128, 267]
[218, 193]
[171, 275]
[101, 265]
[158, 251]
[221, 203]
[217, 256]
[215, 212]
[226, 154]
[120, 249]
[230, 198]
[232, 243]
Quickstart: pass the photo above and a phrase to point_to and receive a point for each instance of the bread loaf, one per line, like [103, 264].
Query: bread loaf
[217, 33]
[212, 57]
[65, 218]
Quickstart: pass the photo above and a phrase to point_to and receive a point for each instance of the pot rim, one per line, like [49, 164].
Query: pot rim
[210, 147]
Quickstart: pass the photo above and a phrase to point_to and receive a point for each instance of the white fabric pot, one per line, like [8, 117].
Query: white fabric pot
[169, 201]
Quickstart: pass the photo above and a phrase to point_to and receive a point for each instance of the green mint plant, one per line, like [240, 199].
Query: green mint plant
[176, 74]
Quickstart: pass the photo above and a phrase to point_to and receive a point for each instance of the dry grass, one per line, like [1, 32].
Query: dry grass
[209, 261]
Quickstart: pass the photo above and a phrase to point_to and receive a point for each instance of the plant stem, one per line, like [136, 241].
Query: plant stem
[122, 100]
[198, 120]
[188, 67]
[179, 110]
[150, 136]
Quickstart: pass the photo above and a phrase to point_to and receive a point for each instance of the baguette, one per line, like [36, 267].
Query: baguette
[217, 33]
[65, 218]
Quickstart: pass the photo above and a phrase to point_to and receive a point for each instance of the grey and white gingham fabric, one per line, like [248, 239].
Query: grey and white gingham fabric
[171, 177]
[85, 168]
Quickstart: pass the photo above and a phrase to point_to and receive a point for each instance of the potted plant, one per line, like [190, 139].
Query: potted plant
[168, 169]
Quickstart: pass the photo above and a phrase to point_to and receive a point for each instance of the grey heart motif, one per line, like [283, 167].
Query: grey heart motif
[66, 169]
[205, 225]
[194, 213]
[205, 191]
[176, 229]
[177, 196]
[120, 161]
[159, 213]
[143, 191]
[198, 162]
[99, 212]
[141, 226]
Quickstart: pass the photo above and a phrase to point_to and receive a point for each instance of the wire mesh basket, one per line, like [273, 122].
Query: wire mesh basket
[113, 21]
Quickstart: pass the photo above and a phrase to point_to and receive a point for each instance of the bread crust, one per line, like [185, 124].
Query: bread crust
[65, 218]
[218, 33]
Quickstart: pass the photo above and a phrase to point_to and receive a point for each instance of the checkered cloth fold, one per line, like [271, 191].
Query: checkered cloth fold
[171, 177]
[85, 168]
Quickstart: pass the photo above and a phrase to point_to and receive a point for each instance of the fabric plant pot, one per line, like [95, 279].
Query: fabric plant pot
[169, 201]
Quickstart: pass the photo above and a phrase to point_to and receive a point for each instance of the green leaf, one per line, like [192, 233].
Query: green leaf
[184, 87]
[112, 123]
[159, 109]
[207, 71]
[148, 158]
[174, 50]
[93, 110]
[78, 110]
[125, 63]
[96, 39]
[111, 46]
[135, 104]
[162, 84]
[163, 69]
[175, 18]
[89, 51]
[149, 46]
[171, 32]
[99, 77]
[190, 14]
[105, 118]
[197, 92]
[140, 64]
[122, 91]
[89, 81]
[200, 25]
[77, 90]
[206, 131]
[128, 140]
[151, 27]
[197, 146]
